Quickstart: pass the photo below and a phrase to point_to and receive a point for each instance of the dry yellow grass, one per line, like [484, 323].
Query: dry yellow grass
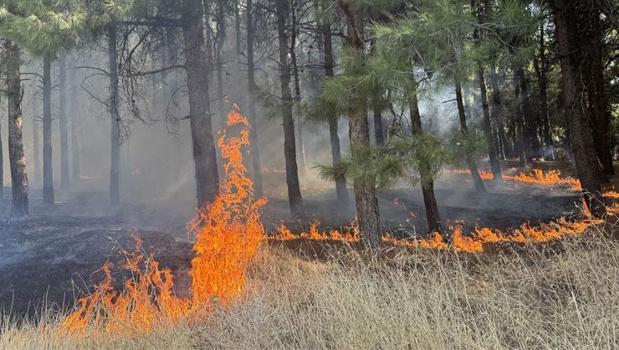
[564, 297]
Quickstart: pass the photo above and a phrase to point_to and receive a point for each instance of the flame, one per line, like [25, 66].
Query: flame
[536, 177]
[228, 234]
[460, 242]
[349, 234]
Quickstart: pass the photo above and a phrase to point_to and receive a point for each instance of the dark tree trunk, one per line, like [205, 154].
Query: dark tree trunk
[115, 118]
[336, 156]
[48, 170]
[379, 133]
[76, 115]
[295, 199]
[237, 28]
[220, 42]
[530, 142]
[427, 182]
[368, 214]
[477, 180]
[498, 114]
[541, 66]
[568, 16]
[36, 142]
[495, 164]
[596, 90]
[204, 152]
[64, 127]
[17, 159]
[251, 80]
[297, 89]
[490, 139]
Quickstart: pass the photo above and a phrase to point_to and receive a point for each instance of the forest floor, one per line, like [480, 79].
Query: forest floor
[50, 258]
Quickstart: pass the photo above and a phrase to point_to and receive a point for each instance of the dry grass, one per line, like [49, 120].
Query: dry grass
[556, 297]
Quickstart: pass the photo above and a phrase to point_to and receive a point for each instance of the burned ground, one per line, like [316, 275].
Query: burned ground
[51, 257]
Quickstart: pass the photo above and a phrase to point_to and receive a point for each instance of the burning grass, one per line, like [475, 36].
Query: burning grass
[534, 177]
[554, 296]
[228, 233]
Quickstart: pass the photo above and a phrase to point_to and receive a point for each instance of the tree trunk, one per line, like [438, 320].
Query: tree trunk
[17, 159]
[530, 141]
[204, 152]
[334, 138]
[48, 170]
[477, 180]
[498, 116]
[427, 182]
[290, 153]
[237, 28]
[568, 16]
[36, 129]
[495, 164]
[64, 128]
[220, 42]
[297, 89]
[541, 65]
[596, 90]
[251, 81]
[368, 214]
[379, 133]
[76, 115]
[115, 118]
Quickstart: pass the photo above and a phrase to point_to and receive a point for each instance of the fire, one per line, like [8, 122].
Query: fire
[228, 234]
[472, 243]
[349, 234]
[536, 177]
[548, 178]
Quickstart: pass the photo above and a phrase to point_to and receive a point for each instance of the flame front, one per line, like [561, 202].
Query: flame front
[228, 234]
[536, 177]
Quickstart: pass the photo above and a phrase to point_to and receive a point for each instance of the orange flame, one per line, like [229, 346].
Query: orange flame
[536, 177]
[228, 234]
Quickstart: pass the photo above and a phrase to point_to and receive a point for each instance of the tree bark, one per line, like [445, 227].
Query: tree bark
[596, 89]
[568, 15]
[427, 182]
[204, 152]
[334, 138]
[36, 129]
[295, 199]
[251, 81]
[541, 66]
[220, 42]
[115, 117]
[379, 133]
[17, 159]
[530, 142]
[63, 124]
[76, 115]
[48, 171]
[495, 164]
[497, 114]
[297, 89]
[477, 180]
[368, 214]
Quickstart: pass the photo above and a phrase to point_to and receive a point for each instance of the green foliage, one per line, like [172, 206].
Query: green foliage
[41, 28]
[50, 27]
[402, 157]
[468, 145]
